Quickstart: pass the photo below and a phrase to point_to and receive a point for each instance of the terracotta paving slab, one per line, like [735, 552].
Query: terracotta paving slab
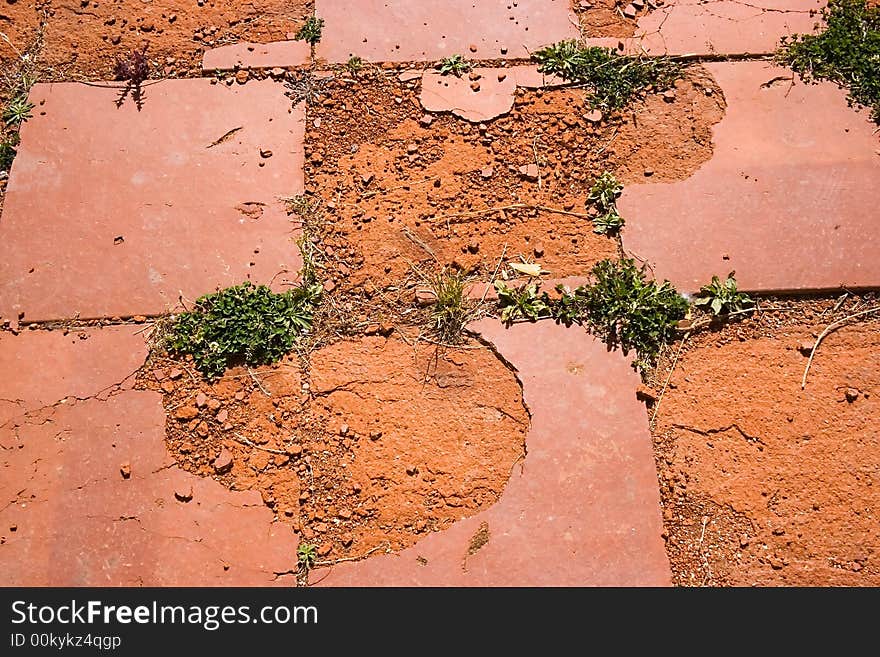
[720, 26]
[788, 199]
[117, 212]
[256, 55]
[583, 507]
[480, 96]
[416, 30]
[89, 496]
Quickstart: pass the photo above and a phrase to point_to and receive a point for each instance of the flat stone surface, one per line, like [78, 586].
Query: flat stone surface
[256, 55]
[117, 212]
[80, 364]
[87, 488]
[482, 95]
[788, 200]
[585, 496]
[418, 30]
[719, 26]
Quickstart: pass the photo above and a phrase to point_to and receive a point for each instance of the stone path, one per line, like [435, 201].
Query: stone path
[89, 496]
[788, 199]
[583, 506]
[120, 212]
[117, 212]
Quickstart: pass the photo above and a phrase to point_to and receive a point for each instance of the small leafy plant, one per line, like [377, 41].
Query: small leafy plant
[609, 223]
[310, 32]
[451, 311]
[134, 70]
[523, 302]
[630, 311]
[615, 80]
[847, 52]
[306, 555]
[457, 65]
[17, 111]
[723, 298]
[354, 65]
[603, 195]
[242, 324]
[605, 191]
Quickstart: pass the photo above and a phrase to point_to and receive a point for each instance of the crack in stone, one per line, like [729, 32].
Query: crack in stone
[725, 429]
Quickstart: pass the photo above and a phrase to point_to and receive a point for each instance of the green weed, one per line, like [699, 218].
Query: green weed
[603, 195]
[457, 65]
[17, 111]
[523, 302]
[451, 311]
[615, 80]
[242, 324]
[847, 52]
[310, 32]
[723, 298]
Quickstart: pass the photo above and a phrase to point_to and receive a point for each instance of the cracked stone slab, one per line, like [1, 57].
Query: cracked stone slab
[482, 95]
[80, 364]
[281, 54]
[586, 492]
[117, 212]
[420, 30]
[89, 495]
[708, 27]
[788, 199]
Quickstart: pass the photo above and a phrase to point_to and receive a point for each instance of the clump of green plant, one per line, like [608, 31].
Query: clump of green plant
[569, 308]
[847, 52]
[451, 311]
[630, 311]
[603, 195]
[306, 555]
[354, 65]
[17, 111]
[457, 65]
[615, 80]
[310, 32]
[523, 302]
[723, 298]
[244, 324]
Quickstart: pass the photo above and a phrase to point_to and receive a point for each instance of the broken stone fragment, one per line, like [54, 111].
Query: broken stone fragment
[852, 394]
[594, 116]
[630, 11]
[183, 493]
[125, 470]
[201, 400]
[223, 463]
[529, 171]
[185, 413]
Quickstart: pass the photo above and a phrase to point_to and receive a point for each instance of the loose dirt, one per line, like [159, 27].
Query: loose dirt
[406, 190]
[382, 443]
[82, 39]
[605, 18]
[764, 483]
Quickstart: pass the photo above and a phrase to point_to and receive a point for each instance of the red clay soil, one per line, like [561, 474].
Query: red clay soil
[764, 483]
[83, 38]
[605, 18]
[399, 184]
[386, 443]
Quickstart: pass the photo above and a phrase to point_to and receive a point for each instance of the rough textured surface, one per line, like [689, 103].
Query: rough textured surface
[784, 479]
[85, 40]
[720, 26]
[788, 199]
[481, 95]
[387, 443]
[89, 496]
[118, 211]
[256, 55]
[585, 496]
[83, 364]
[400, 186]
[417, 30]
